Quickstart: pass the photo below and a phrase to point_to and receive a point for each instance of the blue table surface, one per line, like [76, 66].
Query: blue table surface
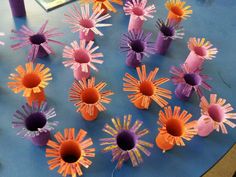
[212, 19]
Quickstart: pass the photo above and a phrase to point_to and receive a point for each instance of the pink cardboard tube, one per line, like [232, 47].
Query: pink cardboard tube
[135, 23]
[193, 61]
[88, 37]
[79, 74]
[204, 129]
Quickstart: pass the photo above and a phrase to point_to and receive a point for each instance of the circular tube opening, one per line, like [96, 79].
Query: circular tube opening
[86, 23]
[37, 39]
[147, 88]
[35, 120]
[31, 80]
[81, 56]
[137, 46]
[167, 31]
[70, 151]
[138, 11]
[175, 127]
[126, 140]
[216, 112]
[201, 51]
[193, 79]
[90, 96]
[177, 11]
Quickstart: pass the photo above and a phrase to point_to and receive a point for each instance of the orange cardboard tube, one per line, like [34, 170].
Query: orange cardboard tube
[90, 117]
[162, 143]
[138, 104]
[174, 14]
[36, 97]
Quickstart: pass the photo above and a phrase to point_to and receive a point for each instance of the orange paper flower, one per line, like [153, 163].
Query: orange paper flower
[106, 4]
[217, 112]
[174, 128]
[89, 97]
[31, 81]
[177, 10]
[146, 88]
[70, 152]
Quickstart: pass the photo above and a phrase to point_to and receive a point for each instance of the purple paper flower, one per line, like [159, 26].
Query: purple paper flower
[38, 41]
[137, 44]
[33, 120]
[2, 34]
[189, 80]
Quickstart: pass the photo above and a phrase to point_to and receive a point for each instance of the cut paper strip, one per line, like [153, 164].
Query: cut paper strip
[177, 11]
[200, 50]
[87, 25]
[31, 81]
[106, 5]
[1, 42]
[216, 113]
[89, 98]
[34, 122]
[167, 33]
[146, 88]
[125, 143]
[188, 81]
[17, 8]
[174, 127]
[81, 58]
[138, 13]
[70, 152]
[39, 41]
[138, 45]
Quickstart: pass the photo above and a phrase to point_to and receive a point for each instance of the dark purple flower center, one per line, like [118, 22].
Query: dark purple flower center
[137, 46]
[216, 112]
[81, 56]
[35, 120]
[70, 151]
[193, 79]
[126, 140]
[37, 39]
[167, 31]
[175, 127]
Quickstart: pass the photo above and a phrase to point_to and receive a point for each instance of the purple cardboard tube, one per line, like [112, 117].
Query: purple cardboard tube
[162, 44]
[181, 94]
[41, 139]
[17, 8]
[132, 61]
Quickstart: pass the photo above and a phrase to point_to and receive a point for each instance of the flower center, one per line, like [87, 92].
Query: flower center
[126, 140]
[37, 39]
[35, 120]
[137, 46]
[175, 127]
[86, 23]
[138, 11]
[167, 31]
[81, 56]
[216, 112]
[177, 11]
[193, 79]
[201, 51]
[146, 88]
[90, 96]
[31, 80]
[70, 151]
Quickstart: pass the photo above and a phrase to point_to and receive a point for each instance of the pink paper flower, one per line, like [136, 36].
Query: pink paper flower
[38, 41]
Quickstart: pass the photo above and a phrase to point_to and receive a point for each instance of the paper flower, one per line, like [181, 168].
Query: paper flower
[70, 152]
[216, 113]
[126, 141]
[177, 10]
[138, 13]
[146, 88]
[39, 41]
[200, 50]
[17, 8]
[137, 44]
[168, 32]
[81, 58]
[34, 122]
[31, 81]
[89, 98]
[174, 128]
[106, 5]
[81, 21]
[2, 34]
[188, 81]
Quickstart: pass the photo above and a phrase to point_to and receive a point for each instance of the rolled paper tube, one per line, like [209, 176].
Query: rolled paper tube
[173, 19]
[138, 104]
[89, 117]
[36, 97]
[79, 74]
[180, 94]
[204, 128]
[17, 8]
[41, 139]
[131, 60]
[87, 37]
[162, 44]
[135, 23]
[41, 52]
[193, 61]
[162, 143]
